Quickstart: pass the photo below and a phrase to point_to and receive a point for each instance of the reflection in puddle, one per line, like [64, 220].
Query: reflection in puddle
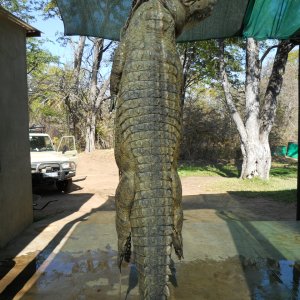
[94, 274]
[270, 279]
[238, 278]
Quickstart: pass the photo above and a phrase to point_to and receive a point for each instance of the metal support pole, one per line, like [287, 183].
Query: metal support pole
[298, 177]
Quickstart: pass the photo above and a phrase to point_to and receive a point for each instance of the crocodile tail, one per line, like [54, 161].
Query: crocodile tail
[152, 226]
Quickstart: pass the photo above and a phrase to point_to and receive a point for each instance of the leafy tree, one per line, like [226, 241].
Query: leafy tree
[84, 89]
[209, 131]
[64, 96]
[45, 105]
[37, 57]
[82, 86]
[41, 104]
[200, 62]
[20, 8]
[239, 62]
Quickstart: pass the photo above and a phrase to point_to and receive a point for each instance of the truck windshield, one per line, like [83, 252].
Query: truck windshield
[40, 143]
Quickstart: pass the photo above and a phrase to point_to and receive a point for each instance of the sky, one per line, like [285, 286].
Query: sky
[50, 29]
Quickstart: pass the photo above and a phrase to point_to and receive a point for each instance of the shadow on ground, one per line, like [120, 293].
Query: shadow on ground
[221, 168]
[269, 256]
[54, 207]
[66, 203]
[262, 263]
[284, 196]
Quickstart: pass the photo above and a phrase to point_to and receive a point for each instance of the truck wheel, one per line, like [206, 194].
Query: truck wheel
[64, 186]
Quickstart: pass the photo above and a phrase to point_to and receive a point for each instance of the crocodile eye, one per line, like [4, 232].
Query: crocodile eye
[188, 2]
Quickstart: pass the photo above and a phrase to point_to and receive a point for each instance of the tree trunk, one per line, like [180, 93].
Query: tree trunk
[273, 89]
[83, 91]
[254, 132]
[256, 159]
[93, 97]
[71, 100]
[253, 149]
[90, 134]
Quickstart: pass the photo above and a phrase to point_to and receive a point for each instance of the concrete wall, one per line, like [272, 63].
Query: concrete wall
[15, 176]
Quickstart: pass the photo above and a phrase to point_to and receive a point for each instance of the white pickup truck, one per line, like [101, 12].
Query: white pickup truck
[52, 166]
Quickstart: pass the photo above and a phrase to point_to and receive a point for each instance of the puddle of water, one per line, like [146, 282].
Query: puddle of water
[94, 274]
[238, 278]
[270, 279]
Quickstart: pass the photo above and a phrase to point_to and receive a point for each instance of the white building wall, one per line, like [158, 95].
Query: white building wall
[16, 211]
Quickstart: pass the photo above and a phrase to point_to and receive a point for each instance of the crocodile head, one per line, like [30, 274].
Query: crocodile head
[197, 10]
[187, 13]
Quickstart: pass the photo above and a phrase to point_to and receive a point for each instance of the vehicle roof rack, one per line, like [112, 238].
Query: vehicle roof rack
[37, 129]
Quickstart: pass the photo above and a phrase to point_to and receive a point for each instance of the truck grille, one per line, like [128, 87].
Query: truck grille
[48, 168]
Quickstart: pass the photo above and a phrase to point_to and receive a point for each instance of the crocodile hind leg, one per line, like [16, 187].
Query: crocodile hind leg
[124, 199]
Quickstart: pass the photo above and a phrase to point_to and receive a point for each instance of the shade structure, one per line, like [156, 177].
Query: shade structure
[261, 19]
[277, 19]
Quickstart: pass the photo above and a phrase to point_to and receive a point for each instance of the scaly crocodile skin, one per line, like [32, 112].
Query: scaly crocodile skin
[146, 82]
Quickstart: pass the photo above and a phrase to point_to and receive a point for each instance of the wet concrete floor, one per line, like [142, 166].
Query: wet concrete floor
[224, 259]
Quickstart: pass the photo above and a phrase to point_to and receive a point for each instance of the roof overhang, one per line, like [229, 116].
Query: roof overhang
[30, 31]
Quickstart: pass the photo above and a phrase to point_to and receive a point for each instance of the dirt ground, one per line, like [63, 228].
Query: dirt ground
[97, 179]
[69, 252]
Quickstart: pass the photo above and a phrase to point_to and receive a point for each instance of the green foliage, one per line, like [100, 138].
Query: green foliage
[24, 9]
[48, 112]
[45, 105]
[38, 59]
[201, 61]
[234, 56]
[293, 57]
[45, 102]
[20, 8]
[49, 8]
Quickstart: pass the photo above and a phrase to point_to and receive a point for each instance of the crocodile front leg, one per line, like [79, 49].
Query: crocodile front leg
[124, 199]
[178, 215]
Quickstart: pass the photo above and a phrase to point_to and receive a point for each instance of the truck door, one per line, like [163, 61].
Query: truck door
[67, 147]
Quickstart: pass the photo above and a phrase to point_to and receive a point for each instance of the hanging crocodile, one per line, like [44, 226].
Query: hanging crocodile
[146, 85]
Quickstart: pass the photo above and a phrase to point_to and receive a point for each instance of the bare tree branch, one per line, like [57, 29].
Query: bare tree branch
[266, 53]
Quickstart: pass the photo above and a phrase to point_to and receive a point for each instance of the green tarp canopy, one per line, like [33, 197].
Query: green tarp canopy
[261, 19]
